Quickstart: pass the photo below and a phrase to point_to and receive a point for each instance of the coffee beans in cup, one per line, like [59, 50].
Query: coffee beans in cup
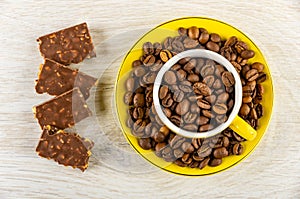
[196, 94]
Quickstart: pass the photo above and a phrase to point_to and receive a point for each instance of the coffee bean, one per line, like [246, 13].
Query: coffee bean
[183, 107]
[186, 158]
[237, 66]
[130, 84]
[212, 46]
[228, 79]
[201, 88]
[220, 152]
[259, 110]
[237, 149]
[258, 66]
[181, 74]
[251, 75]
[261, 77]
[247, 54]
[190, 127]
[170, 77]
[190, 43]
[139, 125]
[203, 104]
[215, 162]
[208, 114]
[167, 101]
[178, 95]
[204, 151]
[206, 127]
[190, 65]
[214, 37]
[167, 43]
[138, 113]
[193, 32]
[139, 71]
[211, 99]
[223, 97]
[240, 46]
[138, 100]
[190, 117]
[220, 109]
[194, 108]
[231, 41]
[187, 147]
[148, 48]
[204, 163]
[177, 141]
[253, 114]
[149, 78]
[160, 146]
[247, 91]
[197, 158]
[207, 70]
[247, 99]
[159, 136]
[163, 91]
[136, 63]
[193, 78]
[165, 55]
[176, 119]
[217, 84]
[178, 153]
[149, 60]
[145, 143]
[204, 37]
[128, 98]
[182, 31]
[244, 110]
[157, 48]
[209, 80]
[202, 120]
[219, 69]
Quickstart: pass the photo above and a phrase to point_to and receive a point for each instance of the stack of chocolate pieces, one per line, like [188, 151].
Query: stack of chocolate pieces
[71, 89]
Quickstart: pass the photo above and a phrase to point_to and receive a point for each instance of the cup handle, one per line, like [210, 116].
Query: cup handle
[242, 128]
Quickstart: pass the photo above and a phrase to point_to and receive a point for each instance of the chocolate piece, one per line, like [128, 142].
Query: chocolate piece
[65, 148]
[70, 45]
[63, 111]
[55, 79]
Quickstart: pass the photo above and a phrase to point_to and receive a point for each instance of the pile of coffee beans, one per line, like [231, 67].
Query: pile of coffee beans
[150, 131]
[197, 94]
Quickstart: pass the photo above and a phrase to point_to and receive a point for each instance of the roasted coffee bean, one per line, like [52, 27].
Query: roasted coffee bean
[139, 100]
[215, 162]
[178, 95]
[209, 80]
[167, 101]
[247, 99]
[206, 127]
[190, 117]
[208, 113]
[148, 48]
[217, 84]
[181, 74]
[160, 146]
[185, 88]
[204, 151]
[157, 48]
[240, 46]
[258, 66]
[186, 158]
[211, 99]
[247, 54]
[251, 75]
[207, 70]
[187, 147]
[163, 91]
[201, 88]
[128, 98]
[202, 120]
[237, 149]
[204, 37]
[138, 113]
[228, 79]
[237, 66]
[130, 84]
[244, 110]
[139, 125]
[176, 119]
[149, 60]
[182, 107]
[149, 78]
[164, 130]
[220, 109]
[177, 46]
[196, 142]
[190, 127]
[182, 31]
[159, 136]
[260, 89]
[220, 152]
[145, 143]
[165, 55]
[223, 97]
[259, 110]
[247, 91]
[212, 46]
[167, 154]
[203, 104]
[214, 37]
[167, 112]
[204, 163]
[221, 119]
[193, 32]
[190, 65]
[177, 141]
[139, 71]
[170, 77]
[253, 114]
[167, 43]
[148, 129]
[190, 43]
[261, 77]
[219, 69]
[178, 153]
[231, 41]
[136, 63]
[197, 158]
[194, 78]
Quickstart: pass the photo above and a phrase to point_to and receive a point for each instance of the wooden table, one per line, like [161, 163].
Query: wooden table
[272, 171]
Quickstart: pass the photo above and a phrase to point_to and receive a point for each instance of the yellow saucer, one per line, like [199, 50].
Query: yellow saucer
[158, 34]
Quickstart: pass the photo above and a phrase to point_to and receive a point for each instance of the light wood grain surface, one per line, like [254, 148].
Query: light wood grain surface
[272, 171]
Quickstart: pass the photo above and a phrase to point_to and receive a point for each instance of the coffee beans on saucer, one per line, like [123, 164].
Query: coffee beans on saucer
[196, 94]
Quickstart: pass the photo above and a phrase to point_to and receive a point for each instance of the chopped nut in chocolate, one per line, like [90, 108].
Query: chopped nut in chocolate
[70, 45]
[63, 111]
[55, 79]
[65, 148]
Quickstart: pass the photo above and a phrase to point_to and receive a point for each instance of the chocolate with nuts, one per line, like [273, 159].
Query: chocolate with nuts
[65, 148]
[70, 45]
[55, 79]
[63, 111]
